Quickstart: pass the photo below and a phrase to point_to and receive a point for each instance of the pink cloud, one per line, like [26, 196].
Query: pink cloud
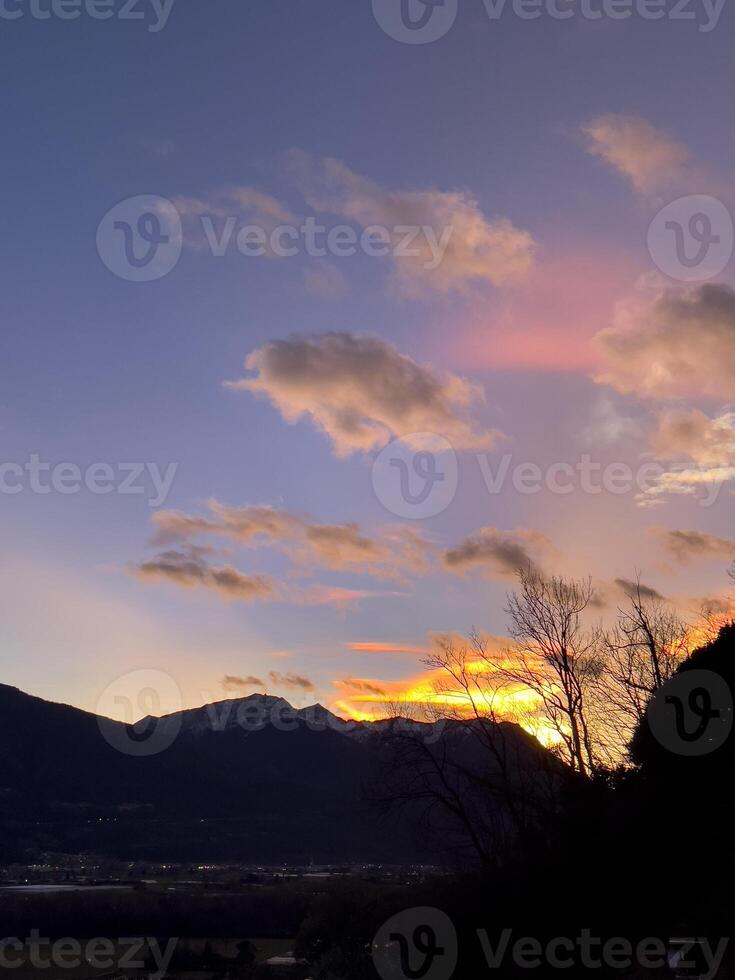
[548, 323]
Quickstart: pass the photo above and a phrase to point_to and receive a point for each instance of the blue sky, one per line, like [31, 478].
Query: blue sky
[98, 368]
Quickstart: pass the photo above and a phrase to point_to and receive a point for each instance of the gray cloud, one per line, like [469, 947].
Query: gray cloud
[688, 546]
[499, 553]
[191, 569]
[359, 686]
[231, 682]
[634, 589]
[361, 392]
[679, 342]
[298, 681]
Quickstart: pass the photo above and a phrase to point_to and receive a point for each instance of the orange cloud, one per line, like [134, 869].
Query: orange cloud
[372, 647]
[648, 157]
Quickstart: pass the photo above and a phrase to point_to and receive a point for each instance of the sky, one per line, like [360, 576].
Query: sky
[316, 326]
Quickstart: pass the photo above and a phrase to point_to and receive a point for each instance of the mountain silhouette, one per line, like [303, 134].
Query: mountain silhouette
[250, 779]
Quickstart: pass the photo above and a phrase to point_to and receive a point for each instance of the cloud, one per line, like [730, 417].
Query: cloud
[245, 525]
[171, 525]
[646, 156]
[681, 341]
[298, 681]
[359, 686]
[210, 222]
[373, 647]
[332, 595]
[498, 553]
[689, 435]
[716, 606]
[361, 391]
[475, 249]
[688, 546]
[339, 547]
[232, 682]
[693, 435]
[635, 589]
[687, 482]
[190, 569]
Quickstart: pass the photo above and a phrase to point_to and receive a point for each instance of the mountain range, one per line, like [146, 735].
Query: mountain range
[250, 779]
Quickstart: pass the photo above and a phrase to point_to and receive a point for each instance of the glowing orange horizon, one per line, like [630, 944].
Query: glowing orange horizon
[370, 699]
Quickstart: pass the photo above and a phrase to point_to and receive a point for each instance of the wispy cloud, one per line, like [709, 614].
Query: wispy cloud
[231, 682]
[687, 546]
[288, 681]
[649, 158]
[388, 554]
[298, 682]
[211, 221]
[475, 248]
[630, 588]
[375, 647]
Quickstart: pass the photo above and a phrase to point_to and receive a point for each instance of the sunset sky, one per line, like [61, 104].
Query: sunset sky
[552, 329]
